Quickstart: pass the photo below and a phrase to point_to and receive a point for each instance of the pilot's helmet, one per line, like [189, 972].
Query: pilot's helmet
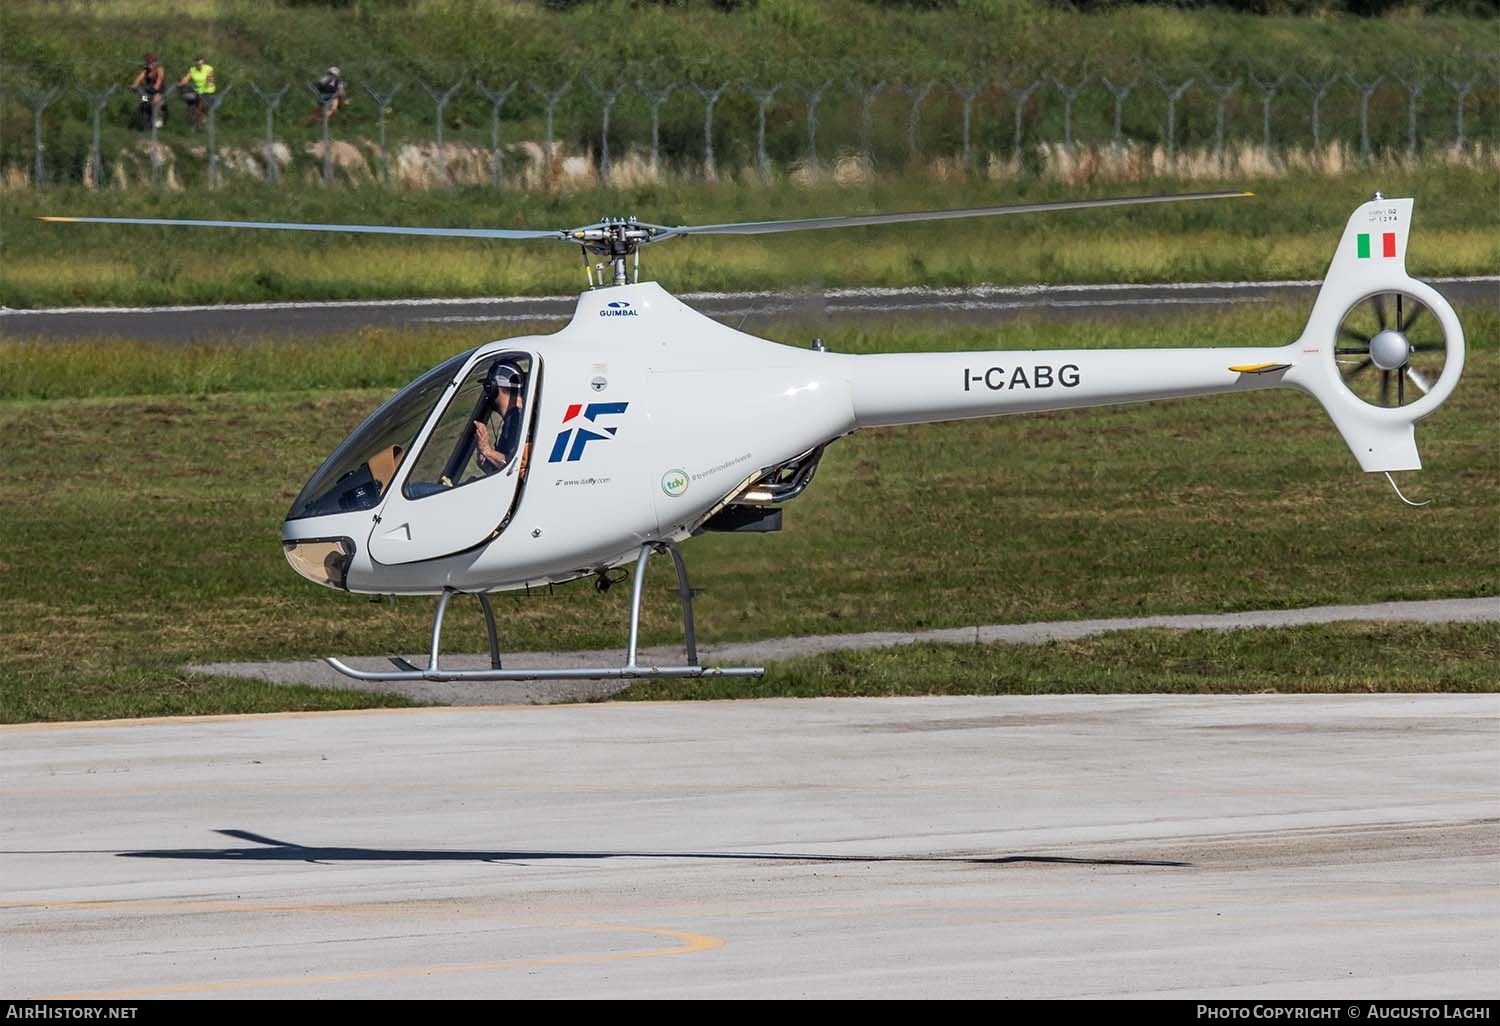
[504, 376]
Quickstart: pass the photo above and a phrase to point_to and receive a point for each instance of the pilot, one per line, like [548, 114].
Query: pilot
[506, 383]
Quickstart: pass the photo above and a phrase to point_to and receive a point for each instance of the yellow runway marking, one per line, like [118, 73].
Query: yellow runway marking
[690, 943]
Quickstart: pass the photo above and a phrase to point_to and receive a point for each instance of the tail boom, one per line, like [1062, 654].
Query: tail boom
[913, 388]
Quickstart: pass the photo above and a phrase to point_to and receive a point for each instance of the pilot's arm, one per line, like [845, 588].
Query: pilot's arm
[488, 457]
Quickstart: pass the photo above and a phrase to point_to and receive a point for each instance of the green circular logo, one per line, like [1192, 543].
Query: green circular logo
[674, 482]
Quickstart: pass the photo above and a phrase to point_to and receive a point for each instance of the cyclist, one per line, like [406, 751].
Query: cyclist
[152, 81]
[197, 86]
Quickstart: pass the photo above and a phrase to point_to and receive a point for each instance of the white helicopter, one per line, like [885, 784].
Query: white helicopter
[540, 459]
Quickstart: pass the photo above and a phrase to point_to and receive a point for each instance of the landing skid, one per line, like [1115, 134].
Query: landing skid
[632, 670]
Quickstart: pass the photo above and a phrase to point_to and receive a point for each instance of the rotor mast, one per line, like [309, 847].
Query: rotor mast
[617, 239]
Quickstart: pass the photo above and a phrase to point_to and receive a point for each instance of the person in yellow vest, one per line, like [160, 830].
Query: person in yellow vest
[196, 87]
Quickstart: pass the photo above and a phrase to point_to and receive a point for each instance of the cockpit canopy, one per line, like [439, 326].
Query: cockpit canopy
[359, 473]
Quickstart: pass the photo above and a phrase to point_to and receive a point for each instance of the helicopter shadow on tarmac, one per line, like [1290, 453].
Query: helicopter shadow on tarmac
[268, 849]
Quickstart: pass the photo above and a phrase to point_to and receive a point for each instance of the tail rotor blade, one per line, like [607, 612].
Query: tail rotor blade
[1379, 302]
[1416, 312]
[1418, 379]
[1385, 388]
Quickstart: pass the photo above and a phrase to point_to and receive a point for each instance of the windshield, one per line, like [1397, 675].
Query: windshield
[356, 475]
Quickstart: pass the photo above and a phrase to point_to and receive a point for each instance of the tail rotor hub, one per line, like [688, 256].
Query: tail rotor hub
[1390, 350]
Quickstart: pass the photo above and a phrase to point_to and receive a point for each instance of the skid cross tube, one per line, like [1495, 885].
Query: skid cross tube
[632, 670]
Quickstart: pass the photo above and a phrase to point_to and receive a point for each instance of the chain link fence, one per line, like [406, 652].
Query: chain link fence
[539, 131]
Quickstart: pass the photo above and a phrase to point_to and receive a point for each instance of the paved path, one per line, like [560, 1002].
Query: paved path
[1096, 846]
[757, 652]
[748, 309]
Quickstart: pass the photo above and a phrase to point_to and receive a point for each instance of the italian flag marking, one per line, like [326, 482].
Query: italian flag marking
[1387, 245]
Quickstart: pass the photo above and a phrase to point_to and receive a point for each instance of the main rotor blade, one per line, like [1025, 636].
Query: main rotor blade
[361, 229]
[861, 220]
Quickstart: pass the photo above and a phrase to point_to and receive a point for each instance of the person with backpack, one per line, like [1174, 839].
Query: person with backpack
[332, 94]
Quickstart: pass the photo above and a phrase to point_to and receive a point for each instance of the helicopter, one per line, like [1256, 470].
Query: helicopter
[531, 461]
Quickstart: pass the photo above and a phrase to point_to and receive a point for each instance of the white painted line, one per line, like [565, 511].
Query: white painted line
[973, 291]
[792, 308]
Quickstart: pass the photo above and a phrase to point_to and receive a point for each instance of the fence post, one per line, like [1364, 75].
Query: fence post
[711, 99]
[1173, 94]
[867, 96]
[1019, 95]
[1461, 91]
[1223, 92]
[656, 96]
[918, 95]
[814, 96]
[96, 107]
[439, 104]
[39, 102]
[1318, 93]
[1070, 96]
[1267, 89]
[1414, 90]
[271, 101]
[497, 99]
[382, 101]
[156, 120]
[1366, 90]
[607, 99]
[968, 92]
[325, 111]
[214, 99]
[763, 99]
[553, 99]
[1120, 93]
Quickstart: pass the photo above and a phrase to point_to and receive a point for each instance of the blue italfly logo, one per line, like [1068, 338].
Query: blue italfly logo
[582, 434]
[619, 308]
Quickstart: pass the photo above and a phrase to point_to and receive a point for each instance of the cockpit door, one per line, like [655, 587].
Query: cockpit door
[469, 471]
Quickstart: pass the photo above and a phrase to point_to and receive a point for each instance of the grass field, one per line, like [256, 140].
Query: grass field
[1287, 230]
[144, 488]
[1331, 659]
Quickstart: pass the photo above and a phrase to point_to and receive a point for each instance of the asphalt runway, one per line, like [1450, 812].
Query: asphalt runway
[984, 303]
[1096, 846]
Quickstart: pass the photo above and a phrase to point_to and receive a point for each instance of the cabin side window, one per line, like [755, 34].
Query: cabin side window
[482, 431]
